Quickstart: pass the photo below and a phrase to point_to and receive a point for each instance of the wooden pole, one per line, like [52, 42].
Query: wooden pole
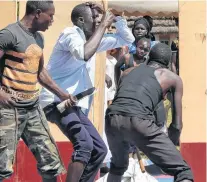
[97, 111]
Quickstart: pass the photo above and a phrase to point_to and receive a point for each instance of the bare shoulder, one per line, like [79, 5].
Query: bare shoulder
[168, 78]
[164, 72]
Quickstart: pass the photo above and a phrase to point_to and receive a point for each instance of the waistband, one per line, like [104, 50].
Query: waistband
[20, 95]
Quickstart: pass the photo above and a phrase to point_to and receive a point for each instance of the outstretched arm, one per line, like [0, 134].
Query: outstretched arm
[123, 36]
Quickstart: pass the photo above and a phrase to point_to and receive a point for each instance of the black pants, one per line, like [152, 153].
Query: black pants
[88, 145]
[160, 114]
[161, 120]
[120, 130]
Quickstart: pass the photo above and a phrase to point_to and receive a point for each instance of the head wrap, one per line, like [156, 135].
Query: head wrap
[144, 22]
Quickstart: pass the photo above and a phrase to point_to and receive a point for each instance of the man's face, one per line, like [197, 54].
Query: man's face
[92, 20]
[45, 19]
[143, 48]
[140, 31]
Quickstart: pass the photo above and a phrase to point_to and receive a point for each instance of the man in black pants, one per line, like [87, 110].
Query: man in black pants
[130, 117]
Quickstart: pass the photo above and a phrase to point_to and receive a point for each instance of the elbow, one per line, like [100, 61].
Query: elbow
[128, 38]
[86, 57]
[39, 79]
[40, 82]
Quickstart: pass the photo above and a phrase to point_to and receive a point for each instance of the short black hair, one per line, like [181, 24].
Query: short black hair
[144, 39]
[161, 54]
[81, 9]
[32, 6]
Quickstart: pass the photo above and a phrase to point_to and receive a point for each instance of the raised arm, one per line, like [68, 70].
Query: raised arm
[73, 39]
[122, 37]
[90, 47]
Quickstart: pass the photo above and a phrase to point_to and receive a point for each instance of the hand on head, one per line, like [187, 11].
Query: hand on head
[108, 18]
[98, 7]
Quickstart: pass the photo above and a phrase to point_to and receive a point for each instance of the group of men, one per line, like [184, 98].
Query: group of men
[70, 71]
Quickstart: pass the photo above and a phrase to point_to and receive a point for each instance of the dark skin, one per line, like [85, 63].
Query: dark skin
[108, 81]
[173, 67]
[93, 29]
[117, 54]
[143, 48]
[169, 80]
[140, 31]
[38, 21]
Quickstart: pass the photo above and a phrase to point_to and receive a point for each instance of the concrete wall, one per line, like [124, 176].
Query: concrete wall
[192, 34]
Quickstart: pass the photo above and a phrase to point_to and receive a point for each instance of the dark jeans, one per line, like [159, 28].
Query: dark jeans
[120, 130]
[89, 148]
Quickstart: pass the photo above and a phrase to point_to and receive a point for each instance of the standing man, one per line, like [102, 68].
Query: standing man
[72, 66]
[130, 117]
[21, 67]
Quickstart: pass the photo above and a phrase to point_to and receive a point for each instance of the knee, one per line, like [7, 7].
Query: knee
[102, 152]
[82, 151]
[118, 170]
[51, 168]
